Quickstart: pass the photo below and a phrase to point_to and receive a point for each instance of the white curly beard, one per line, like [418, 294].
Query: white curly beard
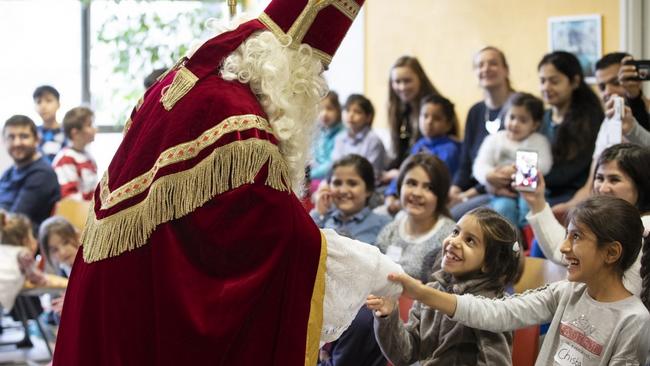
[289, 85]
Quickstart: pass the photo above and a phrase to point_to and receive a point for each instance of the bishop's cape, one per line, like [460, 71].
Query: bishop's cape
[196, 251]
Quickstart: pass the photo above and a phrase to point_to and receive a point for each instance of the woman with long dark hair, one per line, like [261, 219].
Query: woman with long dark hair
[571, 124]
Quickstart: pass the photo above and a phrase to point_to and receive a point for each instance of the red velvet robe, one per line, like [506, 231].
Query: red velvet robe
[194, 253]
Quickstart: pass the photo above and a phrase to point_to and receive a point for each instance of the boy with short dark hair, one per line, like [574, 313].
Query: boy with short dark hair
[52, 139]
[75, 168]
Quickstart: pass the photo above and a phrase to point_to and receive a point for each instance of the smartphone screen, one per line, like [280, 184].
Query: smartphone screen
[526, 174]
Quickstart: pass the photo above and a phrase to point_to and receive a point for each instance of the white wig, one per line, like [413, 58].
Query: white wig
[289, 85]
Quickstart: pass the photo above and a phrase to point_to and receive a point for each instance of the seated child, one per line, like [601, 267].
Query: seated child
[439, 127]
[594, 319]
[479, 257]
[330, 126]
[75, 168]
[342, 204]
[52, 138]
[496, 156]
[423, 183]
[59, 245]
[359, 138]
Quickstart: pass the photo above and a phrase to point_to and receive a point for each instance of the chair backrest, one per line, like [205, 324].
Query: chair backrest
[405, 304]
[525, 346]
[74, 211]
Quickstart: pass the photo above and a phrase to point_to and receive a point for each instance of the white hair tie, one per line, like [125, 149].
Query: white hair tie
[515, 247]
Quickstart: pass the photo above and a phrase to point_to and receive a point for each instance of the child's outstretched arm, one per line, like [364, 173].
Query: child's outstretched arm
[441, 301]
[496, 315]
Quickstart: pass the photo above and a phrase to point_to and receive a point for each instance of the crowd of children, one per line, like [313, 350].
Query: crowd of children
[483, 253]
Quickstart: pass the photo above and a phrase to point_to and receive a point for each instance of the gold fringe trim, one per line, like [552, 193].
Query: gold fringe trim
[315, 323]
[175, 195]
[183, 82]
[175, 154]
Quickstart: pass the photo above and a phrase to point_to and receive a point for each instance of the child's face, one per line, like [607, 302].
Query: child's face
[46, 106]
[62, 250]
[520, 124]
[87, 133]
[416, 196]
[355, 118]
[405, 83]
[580, 250]
[611, 180]
[555, 86]
[464, 248]
[433, 121]
[490, 70]
[349, 191]
[328, 114]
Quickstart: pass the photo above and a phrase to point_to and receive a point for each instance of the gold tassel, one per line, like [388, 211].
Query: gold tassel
[183, 82]
[175, 195]
[176, 66]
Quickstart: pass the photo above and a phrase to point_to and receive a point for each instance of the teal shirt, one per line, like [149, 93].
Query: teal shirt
[322, 163]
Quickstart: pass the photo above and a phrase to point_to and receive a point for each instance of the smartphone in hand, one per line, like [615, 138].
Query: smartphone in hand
[642, 69]
[526, 173]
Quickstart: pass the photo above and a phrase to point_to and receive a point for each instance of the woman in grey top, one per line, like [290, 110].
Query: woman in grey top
[422, 185]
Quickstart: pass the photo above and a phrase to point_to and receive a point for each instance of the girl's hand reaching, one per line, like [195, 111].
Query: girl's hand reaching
[412, 288]
[381, 306]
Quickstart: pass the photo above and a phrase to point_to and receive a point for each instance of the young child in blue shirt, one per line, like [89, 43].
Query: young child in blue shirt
[438, 125]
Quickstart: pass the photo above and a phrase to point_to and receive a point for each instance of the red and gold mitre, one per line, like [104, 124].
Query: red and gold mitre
[321, 24]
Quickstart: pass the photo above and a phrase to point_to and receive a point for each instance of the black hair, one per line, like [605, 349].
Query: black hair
[447, 108]
[361, 165]
[153, 76]
[611, 219]
[438, 175]
[45, 89]
[633, 161]
[610, 59]
[19, 120]
[533, 105]
[501, 260]
[363, 102]
[578, 132]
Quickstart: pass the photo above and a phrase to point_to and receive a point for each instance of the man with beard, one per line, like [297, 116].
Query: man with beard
[29, 186]
[197, 250]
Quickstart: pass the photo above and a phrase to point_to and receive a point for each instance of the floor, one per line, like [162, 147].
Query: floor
[10, 355]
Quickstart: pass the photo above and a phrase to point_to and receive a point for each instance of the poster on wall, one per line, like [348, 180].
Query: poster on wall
[580, 35]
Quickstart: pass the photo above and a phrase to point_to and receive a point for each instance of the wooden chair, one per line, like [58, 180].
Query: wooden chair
[537, 273]
[74, 211]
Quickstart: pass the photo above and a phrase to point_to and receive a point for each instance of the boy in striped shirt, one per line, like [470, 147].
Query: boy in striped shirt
[74, 166]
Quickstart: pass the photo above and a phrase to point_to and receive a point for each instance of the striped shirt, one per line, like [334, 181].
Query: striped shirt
[76, 172]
